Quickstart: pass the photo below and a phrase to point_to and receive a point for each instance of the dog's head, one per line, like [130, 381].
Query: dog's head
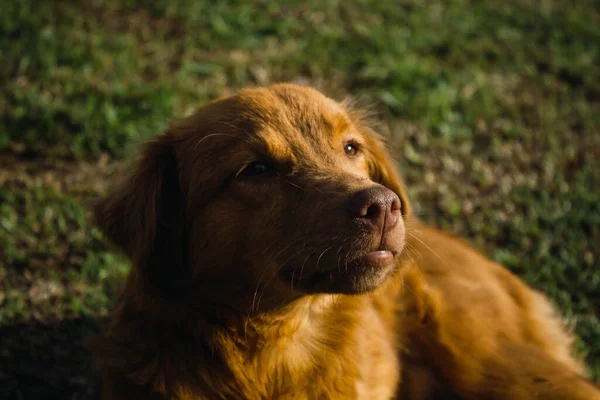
[278, 192]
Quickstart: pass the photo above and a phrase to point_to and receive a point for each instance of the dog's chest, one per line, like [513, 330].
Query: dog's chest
[341, 352]
[365, 366]
[380, 371]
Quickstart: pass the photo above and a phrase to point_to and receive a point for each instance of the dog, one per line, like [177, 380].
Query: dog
[275, 257]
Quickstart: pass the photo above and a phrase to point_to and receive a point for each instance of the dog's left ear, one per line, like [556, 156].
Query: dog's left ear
[382, 168]
[144, 217]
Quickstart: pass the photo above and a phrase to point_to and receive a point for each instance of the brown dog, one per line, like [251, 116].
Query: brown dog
[274, 259]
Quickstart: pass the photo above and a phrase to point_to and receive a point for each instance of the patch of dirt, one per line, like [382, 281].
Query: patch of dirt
[80, 179]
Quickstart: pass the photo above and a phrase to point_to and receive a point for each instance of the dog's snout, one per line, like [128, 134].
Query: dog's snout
[378, 205]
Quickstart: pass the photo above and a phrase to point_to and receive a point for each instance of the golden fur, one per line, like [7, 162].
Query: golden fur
[251, 281]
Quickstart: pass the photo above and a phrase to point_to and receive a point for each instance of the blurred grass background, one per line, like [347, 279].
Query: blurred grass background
[493, 110]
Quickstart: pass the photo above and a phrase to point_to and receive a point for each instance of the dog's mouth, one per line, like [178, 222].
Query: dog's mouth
[375, 258]
[361, 273]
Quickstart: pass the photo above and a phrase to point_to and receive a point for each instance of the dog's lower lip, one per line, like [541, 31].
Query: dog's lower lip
[378, 259]
[379, 256]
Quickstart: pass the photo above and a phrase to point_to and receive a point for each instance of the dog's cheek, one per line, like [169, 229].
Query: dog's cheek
[217, 239]
[268, 231]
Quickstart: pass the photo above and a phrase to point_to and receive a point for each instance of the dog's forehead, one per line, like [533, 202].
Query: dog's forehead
[285, 122]
[295, 116]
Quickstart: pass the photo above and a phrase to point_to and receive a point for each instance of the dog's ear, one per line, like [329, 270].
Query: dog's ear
[144, 216]
[382, 168]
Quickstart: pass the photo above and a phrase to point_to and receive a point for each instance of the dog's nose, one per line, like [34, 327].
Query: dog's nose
[378, 205]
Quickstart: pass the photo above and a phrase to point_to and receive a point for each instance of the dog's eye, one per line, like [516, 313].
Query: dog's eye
[255, 168]
[351, 149]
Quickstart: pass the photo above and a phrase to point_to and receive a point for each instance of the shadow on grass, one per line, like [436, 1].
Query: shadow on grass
[49, 361]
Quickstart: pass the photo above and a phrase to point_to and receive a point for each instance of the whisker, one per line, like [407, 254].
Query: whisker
[410, 248]
[319, 259]
[235, 127]
[213, 135]
[341, 246]
[429, 214]
[293, 184]
[273, 275]
[282, 250]
[269, 246]
[305, 260]
[338, 255]
[260, 278]
[426, 245]
[295, 268]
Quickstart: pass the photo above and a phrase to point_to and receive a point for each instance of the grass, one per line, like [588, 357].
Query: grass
[54, 265]
[493, 110]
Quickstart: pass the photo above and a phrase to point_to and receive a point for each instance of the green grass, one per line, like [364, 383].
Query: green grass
[493, 109]
[54, 265]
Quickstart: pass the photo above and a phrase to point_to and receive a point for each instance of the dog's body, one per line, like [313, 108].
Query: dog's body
[274, 257]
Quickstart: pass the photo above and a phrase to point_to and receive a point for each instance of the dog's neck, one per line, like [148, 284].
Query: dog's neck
[278, 353]
[312, 342]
